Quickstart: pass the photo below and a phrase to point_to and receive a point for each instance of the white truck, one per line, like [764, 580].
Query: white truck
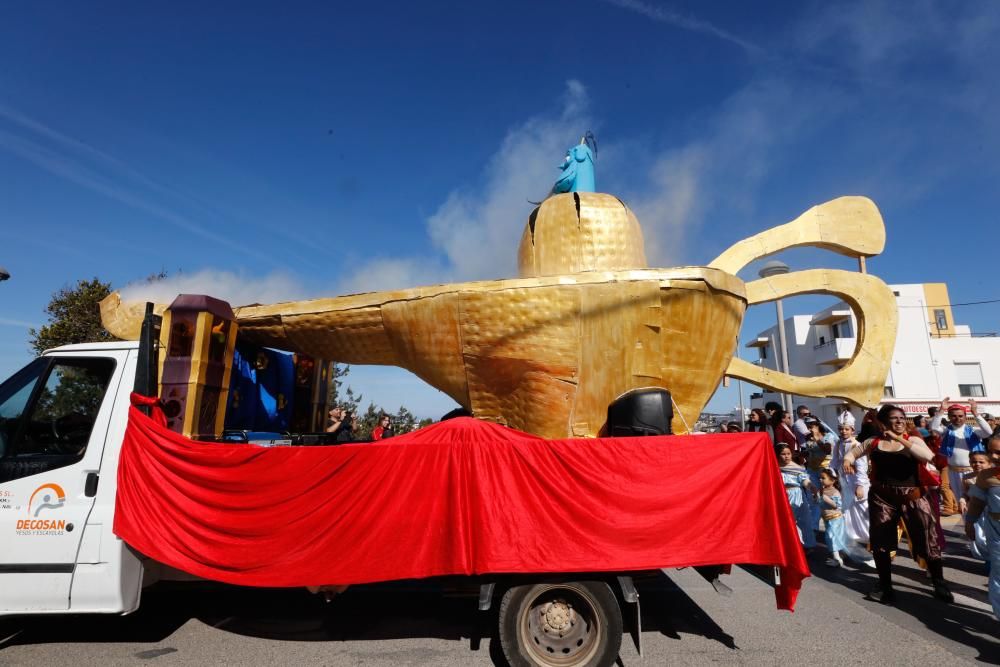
[62, 422]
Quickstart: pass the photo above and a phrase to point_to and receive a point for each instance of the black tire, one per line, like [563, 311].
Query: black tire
[570, 624]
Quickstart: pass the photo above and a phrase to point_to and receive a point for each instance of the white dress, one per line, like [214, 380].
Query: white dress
[855, 511]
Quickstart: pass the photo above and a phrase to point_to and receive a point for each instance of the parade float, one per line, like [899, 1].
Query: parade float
[522, 501]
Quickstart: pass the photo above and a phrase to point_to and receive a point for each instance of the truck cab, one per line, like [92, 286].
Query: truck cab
[62, 420]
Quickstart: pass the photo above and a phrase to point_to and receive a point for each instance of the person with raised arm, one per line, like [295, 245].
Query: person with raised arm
[958, 440]
[896, 493]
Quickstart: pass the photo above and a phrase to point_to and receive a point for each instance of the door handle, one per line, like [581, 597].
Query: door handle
[90, 485]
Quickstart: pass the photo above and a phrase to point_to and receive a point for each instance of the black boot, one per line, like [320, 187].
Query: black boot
[941, 591]
[882, 592]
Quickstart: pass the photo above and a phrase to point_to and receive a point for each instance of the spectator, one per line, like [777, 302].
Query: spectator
[799, 427]
[770, 408]
[958, 440]
[383, 430]
[994, 422]
[897, 494]
[757, 422]
[341, 425]
[781, 427]
[734, 427]
[918, 423]
[869, 426]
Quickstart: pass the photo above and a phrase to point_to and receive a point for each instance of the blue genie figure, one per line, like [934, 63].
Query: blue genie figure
[578, 168]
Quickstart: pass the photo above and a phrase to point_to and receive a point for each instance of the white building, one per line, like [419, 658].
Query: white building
[934, 357]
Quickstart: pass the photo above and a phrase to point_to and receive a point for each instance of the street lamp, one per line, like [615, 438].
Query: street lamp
[776, 268]
[4, 274]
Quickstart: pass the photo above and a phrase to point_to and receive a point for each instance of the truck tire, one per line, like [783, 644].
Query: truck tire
[571, 624]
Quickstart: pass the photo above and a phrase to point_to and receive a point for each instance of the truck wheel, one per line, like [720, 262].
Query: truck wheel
[572, 624]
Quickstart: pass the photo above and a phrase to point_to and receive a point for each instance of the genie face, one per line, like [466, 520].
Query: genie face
[577, 171]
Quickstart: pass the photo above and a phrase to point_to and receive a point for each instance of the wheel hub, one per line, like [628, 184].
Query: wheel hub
[557, 617]
[560, 629]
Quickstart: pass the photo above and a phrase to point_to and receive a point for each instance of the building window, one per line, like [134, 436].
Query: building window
[843, 329]
[940, 319]
[888, 391]
[970, 380]
[763, 351]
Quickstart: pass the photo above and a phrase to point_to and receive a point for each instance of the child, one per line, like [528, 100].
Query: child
[979, 461]
[796, 482]
[854, 492]
[833, 517]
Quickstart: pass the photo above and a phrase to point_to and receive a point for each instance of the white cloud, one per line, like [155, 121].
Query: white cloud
[239, 289]
[478, 228]
[664, 14]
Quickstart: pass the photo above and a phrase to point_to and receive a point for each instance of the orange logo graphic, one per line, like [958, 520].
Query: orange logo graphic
[52, 497]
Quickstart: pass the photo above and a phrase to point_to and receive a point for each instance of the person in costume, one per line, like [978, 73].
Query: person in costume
[984, 503]
[797, 487]
[817, 449]
[854, 490]
[896, 493]
[832, 505]
[958, 440]
[979, 461]
[846, 417]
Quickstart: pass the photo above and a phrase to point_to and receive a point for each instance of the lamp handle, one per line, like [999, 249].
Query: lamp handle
[862, 379]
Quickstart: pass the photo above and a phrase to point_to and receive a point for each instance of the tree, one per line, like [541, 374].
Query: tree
[403, 421]
[74, 317]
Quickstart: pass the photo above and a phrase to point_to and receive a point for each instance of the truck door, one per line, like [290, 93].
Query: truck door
[54, 417]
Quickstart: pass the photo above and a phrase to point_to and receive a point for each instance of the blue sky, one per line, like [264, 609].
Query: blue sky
[265, 151]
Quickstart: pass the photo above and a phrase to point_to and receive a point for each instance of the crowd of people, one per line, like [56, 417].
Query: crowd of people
[892, 478]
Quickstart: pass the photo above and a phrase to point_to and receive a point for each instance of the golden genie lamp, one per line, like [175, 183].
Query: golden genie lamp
[587, 320]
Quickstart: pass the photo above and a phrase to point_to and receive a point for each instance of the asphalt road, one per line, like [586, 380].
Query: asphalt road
[684, 622]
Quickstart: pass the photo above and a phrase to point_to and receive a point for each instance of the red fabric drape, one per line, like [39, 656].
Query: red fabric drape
[458, 498]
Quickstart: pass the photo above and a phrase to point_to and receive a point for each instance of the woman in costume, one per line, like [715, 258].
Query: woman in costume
[984, 502]
[797, 486]
[896, 493]
[833, 516]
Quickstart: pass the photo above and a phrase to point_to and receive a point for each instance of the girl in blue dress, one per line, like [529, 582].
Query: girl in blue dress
[832, 506]
[797, 484]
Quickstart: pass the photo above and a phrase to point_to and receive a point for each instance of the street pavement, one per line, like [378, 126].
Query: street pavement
[685, 622]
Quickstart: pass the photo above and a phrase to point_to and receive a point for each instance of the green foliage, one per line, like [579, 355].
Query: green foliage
[74, 317]
[367, 422]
